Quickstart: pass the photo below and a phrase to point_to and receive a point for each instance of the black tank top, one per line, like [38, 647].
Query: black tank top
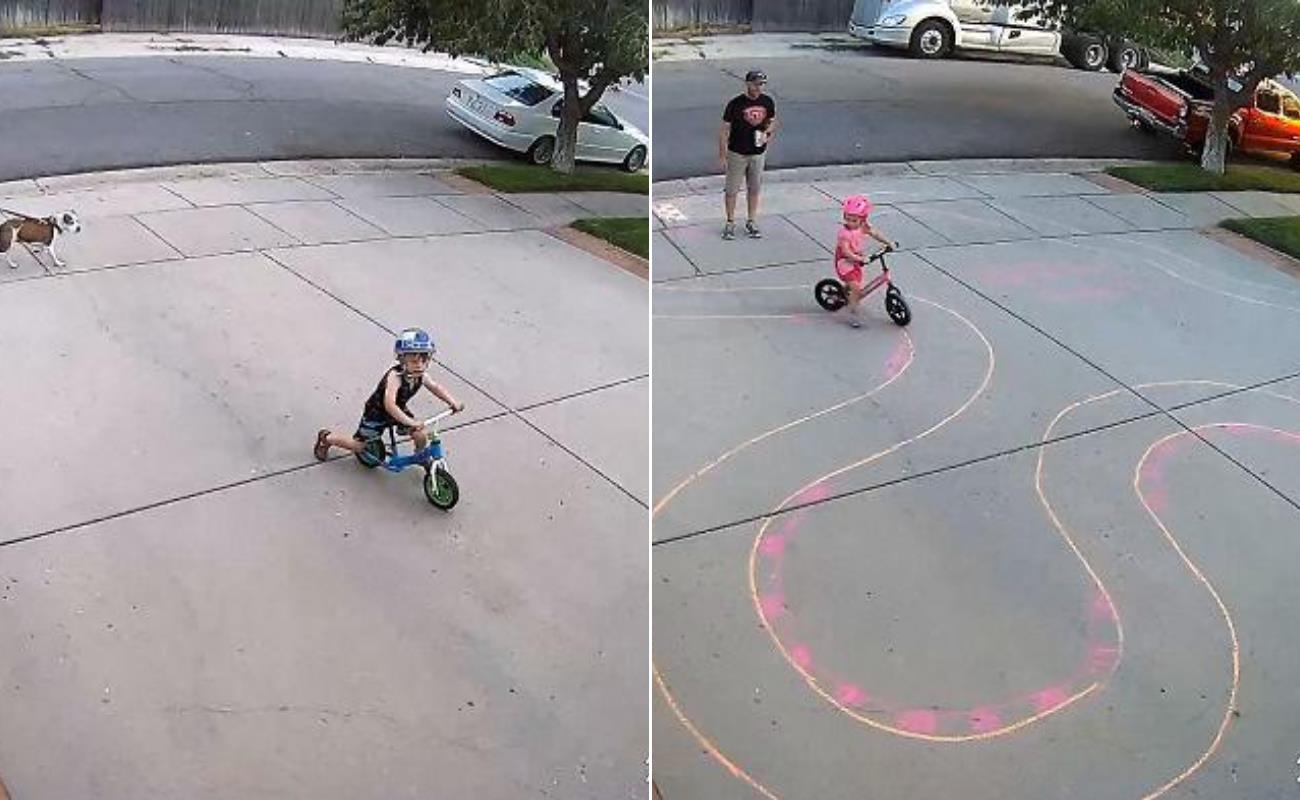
[405, 391]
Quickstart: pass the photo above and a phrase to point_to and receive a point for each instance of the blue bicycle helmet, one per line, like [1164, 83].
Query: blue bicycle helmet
[414, 340]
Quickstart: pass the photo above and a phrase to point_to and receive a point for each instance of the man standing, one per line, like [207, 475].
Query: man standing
[748, 125]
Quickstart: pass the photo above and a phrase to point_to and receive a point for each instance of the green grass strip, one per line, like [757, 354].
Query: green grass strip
[1191, 178]
[1280, 233]
[512, 178]
[629, 233]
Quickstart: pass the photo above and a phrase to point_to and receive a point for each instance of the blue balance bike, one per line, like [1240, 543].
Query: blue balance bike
[439, 486]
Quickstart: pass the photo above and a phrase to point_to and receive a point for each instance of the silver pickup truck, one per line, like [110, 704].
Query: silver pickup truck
[934, 28]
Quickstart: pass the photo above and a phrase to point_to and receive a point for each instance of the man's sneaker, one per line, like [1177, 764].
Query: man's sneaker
[729, 231]
[752, 230]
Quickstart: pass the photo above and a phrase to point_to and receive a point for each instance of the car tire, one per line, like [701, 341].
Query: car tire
[542, 151]
[931, 39]
[1295, 161]
[1124, 56]
[1144, 59]
[635, 159]
[1087, 53]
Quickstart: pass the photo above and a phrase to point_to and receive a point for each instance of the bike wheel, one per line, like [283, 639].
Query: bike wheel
[373, 454]
[441, 489]
[830, 294]
[896, 307]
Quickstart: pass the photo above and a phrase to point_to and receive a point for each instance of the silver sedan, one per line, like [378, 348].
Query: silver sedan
[519, 109]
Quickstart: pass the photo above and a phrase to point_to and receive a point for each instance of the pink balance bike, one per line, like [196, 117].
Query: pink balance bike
[833, 295]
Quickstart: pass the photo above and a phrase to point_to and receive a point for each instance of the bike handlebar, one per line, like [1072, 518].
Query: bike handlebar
[880, 255]
[436, 418]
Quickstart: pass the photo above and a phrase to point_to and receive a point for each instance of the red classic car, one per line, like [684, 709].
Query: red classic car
[1179, 105]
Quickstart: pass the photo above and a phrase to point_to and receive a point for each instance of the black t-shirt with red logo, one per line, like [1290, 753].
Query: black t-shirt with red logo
[747, 115]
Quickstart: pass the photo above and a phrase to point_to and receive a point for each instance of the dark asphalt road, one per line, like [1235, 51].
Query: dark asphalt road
[92, 114]
[872, 105]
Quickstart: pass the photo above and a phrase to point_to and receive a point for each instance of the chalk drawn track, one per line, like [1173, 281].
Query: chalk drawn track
[1099, 640]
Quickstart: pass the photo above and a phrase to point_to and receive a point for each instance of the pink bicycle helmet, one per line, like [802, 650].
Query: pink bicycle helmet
[858, 206]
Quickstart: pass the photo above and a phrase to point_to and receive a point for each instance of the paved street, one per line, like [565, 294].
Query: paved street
[194, 607]
[848, 104]
[1037, 544]
[84, 114]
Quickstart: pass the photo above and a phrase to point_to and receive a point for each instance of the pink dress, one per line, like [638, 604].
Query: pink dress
[849, 240]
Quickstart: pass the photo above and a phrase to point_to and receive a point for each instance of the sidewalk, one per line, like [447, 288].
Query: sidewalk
[932, 205]
[676, 47]
[186, 587]
[126, 45]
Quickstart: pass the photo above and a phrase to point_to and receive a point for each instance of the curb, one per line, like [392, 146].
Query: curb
[1245, 245]
[681, 187]
[598, 247]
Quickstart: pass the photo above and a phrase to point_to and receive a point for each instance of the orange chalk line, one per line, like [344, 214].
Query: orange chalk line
[708, 746]
[753, 560]
[738, 772]
[1063, 530]
[709, 467]
[1200, 576]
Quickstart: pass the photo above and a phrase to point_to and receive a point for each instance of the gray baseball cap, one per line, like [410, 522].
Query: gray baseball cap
[756, 76]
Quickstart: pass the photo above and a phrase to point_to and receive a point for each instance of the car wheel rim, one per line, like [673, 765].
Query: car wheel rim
[931, 42]
[636, 160]
[1093, 55]
[1129, 59]
[544, 152]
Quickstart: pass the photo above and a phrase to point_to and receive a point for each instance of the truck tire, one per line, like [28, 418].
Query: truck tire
[1124, 55]
[1085, 52]
[931, 39]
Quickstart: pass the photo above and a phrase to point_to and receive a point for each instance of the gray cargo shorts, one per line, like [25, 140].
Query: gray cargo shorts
[748, 169]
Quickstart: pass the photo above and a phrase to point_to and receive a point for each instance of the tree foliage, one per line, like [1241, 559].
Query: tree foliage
[592, 42]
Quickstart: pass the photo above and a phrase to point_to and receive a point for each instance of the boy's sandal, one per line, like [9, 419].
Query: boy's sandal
[322, 450]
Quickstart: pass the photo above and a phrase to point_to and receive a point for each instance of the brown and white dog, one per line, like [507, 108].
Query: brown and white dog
[42, 232]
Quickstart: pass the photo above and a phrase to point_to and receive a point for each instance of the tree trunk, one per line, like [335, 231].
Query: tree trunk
[1214, 155]
[566, 137]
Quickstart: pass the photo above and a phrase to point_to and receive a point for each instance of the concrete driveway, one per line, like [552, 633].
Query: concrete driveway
[1037, 544]
[192, 606]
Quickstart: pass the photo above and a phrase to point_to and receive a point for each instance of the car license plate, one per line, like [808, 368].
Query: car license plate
[479, 105]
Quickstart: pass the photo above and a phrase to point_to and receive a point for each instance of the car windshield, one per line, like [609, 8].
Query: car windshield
[517, 87]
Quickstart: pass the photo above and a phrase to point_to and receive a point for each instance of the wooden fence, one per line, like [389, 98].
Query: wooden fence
[758, 15]
[28, 14]
[271, 17]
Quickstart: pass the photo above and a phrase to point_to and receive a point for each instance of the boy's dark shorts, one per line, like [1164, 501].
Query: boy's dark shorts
[368, 429]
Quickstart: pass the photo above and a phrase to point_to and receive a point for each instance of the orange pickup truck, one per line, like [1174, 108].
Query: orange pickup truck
[1179, 105]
